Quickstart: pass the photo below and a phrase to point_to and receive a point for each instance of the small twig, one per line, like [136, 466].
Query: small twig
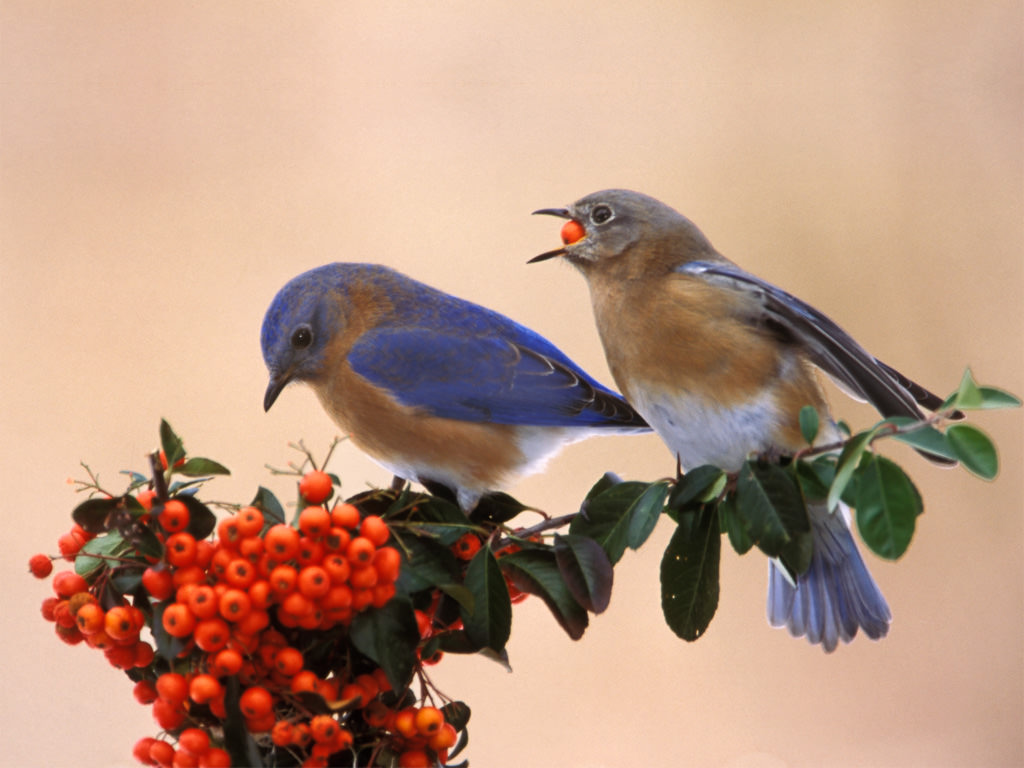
[159, 481]
[887, 430]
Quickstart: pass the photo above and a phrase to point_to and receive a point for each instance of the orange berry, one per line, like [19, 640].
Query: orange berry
[283, 580]
[160, 752]
[158, 581]
[414, 758]
[311, 552]
[572, 232]
[69, 544]
[250, 522]
[337, 567]
[337, 539]
[145, 497]
[375, 529]
[172, 687]
[40, 566]
[360, 551]
[120, 623]
[67, 583]
[305, 680]
[227, 662]
[376, 714]
[255, 621]
[316, 486]
[369, 685]
[354, 694]
[144, 692]
[445, 738]
[283, 733]
[467, 546]
[405, 722]
[363, 578]
[240, 573]
[313, 581]
[174, 516]
[178, 620]
[212, 634]
[324, 728]
[191, 574]
[314, 521]
[382, 594]
[261, 724]
[235, 605]
[144, 654]
[256, 702]
[288, 661]
[281, 541]
[215, 758]
[429, 720]
[180, 549]
[90, 619]
[251, 548]
[202, 601]
[387, 561]
[141, 750]
[297, 605]
[194, 740]
[345, 516]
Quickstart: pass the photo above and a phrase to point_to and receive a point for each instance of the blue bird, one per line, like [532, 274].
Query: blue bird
[433, 388]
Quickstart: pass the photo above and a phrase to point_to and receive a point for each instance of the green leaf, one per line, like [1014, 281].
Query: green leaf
[489, 622]
[425, 564]
[93, 514]
[699, 485]
[238, 742]
[535, 571]
[456, 713]
[201, 520]
[586, 570]
[815, 476]
[109, 545]
[887, 506]
[849, 458]
[993, 398]
[974, 449]
[442, 519]
[173, 448]
[731, 524]
[606, 517]
[769, 502]
[496, 508]
[809, 423]
[267, 503]
[925, 438]
[607, 480]
[389, 636]
[689, 574]
[126, 580]
[198, 467]
[646, 513]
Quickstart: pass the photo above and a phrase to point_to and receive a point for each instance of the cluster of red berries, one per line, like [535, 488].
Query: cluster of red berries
[227, 603]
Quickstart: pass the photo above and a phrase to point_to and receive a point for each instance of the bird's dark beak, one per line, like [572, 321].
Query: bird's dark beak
[561, 213]
[277, 383]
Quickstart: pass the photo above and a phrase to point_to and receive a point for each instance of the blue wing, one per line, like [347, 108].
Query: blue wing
[513, 377]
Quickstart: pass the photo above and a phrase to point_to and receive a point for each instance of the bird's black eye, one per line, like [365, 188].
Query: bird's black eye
[302, 337]
[600, 214]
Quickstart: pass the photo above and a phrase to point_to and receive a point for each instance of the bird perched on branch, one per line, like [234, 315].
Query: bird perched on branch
[434, 388]
[720, 363]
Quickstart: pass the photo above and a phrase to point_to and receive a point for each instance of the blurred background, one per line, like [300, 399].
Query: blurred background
[165, 168]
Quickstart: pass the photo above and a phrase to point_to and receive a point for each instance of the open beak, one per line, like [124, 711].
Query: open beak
[277, 383]
[561, 213]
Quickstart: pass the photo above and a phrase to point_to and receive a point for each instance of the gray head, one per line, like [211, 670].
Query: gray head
[299, 324]
[608, 224]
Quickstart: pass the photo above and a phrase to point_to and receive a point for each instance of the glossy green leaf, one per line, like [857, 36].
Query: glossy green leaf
[389, 636]
[173, 448]
[606, 517]
[993, 398]
[442, 519]
[489, 621]
[93, 514]
[849, 458]
[497, 508]
[809, 423]
[974, 450]
[887, 506]
[426, 563]
[646, 512]
[733, 526]
[267, 503]
[94, 553]
[199, 467]
[201, 520]
[924, 438]
[535, 571]
[586, 570]
[815, 477]
[698, 485]
[606, 481]
[689, 574]
[769, 502]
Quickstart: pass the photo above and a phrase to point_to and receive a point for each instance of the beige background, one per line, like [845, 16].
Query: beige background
[167, 167]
